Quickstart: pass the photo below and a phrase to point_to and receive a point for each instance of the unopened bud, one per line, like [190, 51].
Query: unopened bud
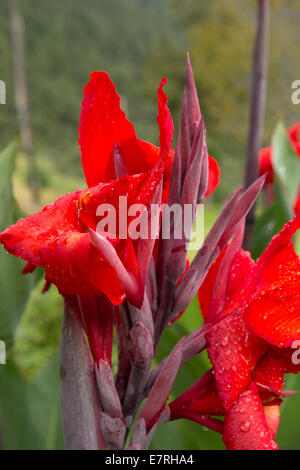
[113, 431]
[141, 345]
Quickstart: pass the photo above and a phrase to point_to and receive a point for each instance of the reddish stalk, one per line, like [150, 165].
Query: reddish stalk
[257, 106]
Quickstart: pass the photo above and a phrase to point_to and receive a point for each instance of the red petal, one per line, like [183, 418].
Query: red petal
[129, 278]
[165, 122]
[97, 318]
[75, 267]
[246, 426]
[27, 236]
[265, 164]
[241, 267]
[103, 123]
[269, 373]
[272, 414]
[233, 351]
[294, 134]
[274, 311]
[201, 398]
[213, 176]
[129, 187]
[205, 291]
[297, 204]
[28, 268]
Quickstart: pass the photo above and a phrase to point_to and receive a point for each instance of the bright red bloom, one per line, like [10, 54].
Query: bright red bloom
[251, 339]
[61, 237]
[103, 124]
[266, 160]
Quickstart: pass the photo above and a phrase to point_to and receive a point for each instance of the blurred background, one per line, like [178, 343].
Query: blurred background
[137, 42]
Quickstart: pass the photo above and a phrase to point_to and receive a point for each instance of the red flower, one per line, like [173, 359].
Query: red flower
[62, 238]
[101, 110]
[294, 134]
[266, 164]
[266, 160]
[252, 330]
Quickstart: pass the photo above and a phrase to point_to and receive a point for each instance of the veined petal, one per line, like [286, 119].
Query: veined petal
[246, 425]
[27, 236]
[234, 352]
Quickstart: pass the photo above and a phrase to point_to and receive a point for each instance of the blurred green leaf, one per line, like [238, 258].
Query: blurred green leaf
[184, 434]
[286, 163]
[7, 164]
[30, 412]
[286, 182]
[270, 222]
[14, 288]
[289, 429]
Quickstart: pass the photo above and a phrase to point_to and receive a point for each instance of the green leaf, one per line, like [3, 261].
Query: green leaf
[7, 164]
[286, 182]
[286, 163]
[270, 222]
[14, 288]
[44, 405]
[289, 428]
[185, 434]
[31, 413]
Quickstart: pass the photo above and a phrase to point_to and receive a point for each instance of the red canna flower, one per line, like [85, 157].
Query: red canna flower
[62, 238]
[101, 111]
[266, 161]
[253, 326]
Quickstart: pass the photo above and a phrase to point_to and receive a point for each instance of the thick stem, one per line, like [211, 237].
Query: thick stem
[79, 395]
[257, 106]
